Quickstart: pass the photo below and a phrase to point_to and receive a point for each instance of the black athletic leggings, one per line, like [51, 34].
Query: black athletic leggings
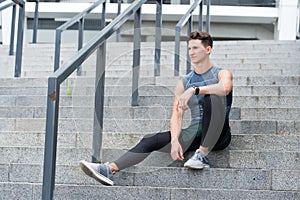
[213, 132]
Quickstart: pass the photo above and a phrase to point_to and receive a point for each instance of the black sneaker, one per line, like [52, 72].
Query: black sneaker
[100, 172]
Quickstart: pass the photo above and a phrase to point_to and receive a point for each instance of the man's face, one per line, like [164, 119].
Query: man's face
[197, 51]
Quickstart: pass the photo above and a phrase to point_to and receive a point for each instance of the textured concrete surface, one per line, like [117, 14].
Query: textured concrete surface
[262, 161]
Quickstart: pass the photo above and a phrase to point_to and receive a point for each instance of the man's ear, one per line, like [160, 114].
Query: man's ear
[208, 50]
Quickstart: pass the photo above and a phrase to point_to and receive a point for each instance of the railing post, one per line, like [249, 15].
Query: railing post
[51, 138]
[99, 96]
[207, 16]
[118, 13]
[19, 51]
[80, 41]
[103, 16]
[200, 16]
[136, 57]
[158, 38]
[35, 22]
[57, 49]
[177, 50]
[189, 30]
[12, 32]
[99, 104]
[181, 23]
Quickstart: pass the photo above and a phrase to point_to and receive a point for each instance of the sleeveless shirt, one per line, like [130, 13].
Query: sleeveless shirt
[195, 103]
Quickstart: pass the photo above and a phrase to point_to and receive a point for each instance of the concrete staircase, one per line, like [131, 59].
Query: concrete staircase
[262, 162]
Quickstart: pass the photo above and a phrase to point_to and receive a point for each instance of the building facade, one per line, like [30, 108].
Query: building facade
[230, 20]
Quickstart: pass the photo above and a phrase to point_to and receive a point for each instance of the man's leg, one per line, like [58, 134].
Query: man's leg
[214, 124]
[104, 172]
[154, 142]
[214, 127]
[149, 143]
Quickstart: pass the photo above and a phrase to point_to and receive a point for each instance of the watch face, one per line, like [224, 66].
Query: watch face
[197, 90]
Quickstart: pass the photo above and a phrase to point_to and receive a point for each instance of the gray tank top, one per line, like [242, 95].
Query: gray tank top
[195, 103]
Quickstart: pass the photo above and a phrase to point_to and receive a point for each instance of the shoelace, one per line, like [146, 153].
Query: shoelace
[110, 174]
[197, 156]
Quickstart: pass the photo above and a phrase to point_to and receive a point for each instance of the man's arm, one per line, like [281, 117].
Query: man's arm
[176, 123]
[222, 88]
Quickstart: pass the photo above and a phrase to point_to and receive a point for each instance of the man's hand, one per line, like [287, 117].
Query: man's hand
[184, 98]
[176, 150]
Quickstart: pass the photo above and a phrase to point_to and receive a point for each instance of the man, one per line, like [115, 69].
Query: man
[207, 92]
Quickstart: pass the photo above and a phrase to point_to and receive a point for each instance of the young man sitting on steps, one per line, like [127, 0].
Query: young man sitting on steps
[207, 92]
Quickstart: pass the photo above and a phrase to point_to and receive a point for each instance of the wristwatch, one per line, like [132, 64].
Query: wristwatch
[197, 90]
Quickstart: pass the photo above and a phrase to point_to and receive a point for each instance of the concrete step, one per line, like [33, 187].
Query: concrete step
[158, 100]
[145, 74]
[122, 49]
[238, 159]
[271, 113]
[75, 125]
[164, 72]
[235, 46]
[237, 67]
[10, 190]
[29, 89]
[219, 46]
[144, 112]
[247, 142]
[162, 81]
[147, 70]
[168, 177]
[126, 55]
[47, 61]
[269, 102]
[149, 64]
[116, 140]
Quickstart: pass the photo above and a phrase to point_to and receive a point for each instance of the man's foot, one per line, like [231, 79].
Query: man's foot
[197, 161]
[100, 172]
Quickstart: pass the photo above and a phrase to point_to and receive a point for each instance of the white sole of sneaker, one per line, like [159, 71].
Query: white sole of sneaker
[193, 167]
[91, 173]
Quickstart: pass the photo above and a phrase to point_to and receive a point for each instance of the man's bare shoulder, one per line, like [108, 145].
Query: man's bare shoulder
[179, 88]
[225, 73]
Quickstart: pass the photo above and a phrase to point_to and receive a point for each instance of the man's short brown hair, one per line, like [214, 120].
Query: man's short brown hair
[203, 36]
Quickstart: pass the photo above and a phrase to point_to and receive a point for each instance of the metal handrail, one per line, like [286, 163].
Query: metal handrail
[19, 2]
[13, 19]
[118, 13]
[20, 34]
[35, 21]
[19, 49]
[77, 18]
[298, 22]
[56, 79]
[187, 18]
